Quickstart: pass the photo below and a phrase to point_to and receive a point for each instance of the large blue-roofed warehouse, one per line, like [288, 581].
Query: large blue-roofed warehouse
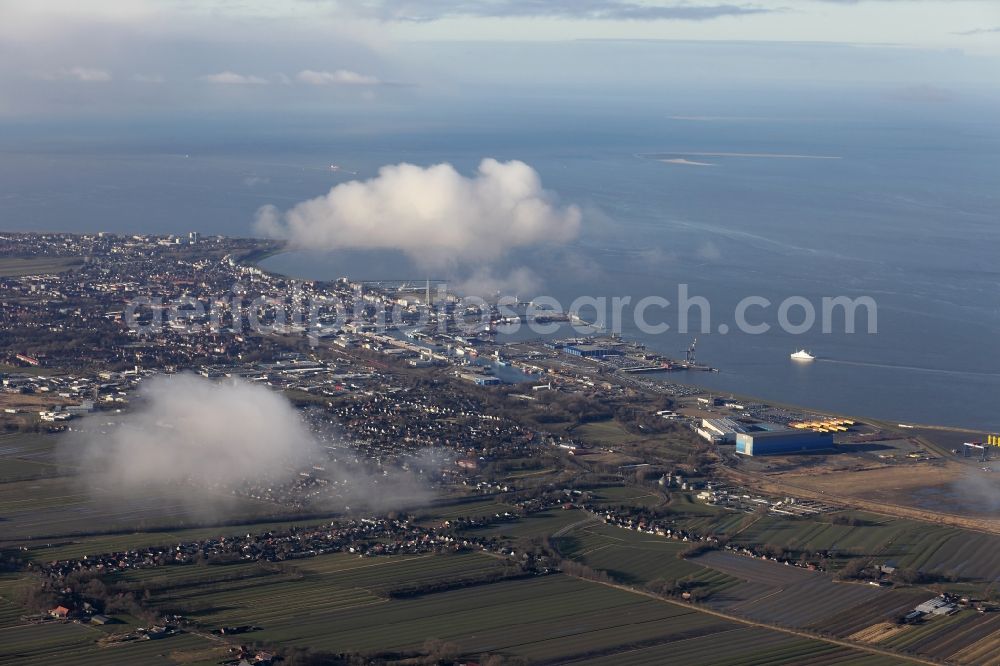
[782, 442]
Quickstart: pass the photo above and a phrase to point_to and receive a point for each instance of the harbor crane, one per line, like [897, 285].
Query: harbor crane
[689, 352]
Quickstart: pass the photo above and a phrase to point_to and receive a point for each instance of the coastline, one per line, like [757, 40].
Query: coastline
[888, 422]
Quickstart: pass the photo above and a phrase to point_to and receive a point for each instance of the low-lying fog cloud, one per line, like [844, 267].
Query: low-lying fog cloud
[187, 428]
[434, 214]
[210, 438]
[980, 491]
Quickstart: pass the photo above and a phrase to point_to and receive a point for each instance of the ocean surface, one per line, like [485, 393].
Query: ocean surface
[907, 213]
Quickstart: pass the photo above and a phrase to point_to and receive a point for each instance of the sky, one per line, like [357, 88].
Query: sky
[60, 58]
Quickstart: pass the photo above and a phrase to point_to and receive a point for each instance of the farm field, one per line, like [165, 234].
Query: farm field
[945, 637]
[337, 571]
[880, 609]
[939, 549]
[788, 596]
[10, 613]
[28, 456]
[343, 602]
[543, 523]
[338, 603]
[985, 651]
[947, 550]
[743, 646]
[617, 495]
[338, 606]
[18, 266]
[763, 590]
[877, 632]
[813, 601]
[608, 432]
[278, 598]
[70, 643]
[60, 507]
[551, 618]
[635, 558]
[471, 509]
[867, 537]
[19, 469]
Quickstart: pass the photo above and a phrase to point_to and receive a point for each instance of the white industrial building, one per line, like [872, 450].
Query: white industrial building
[721, 431]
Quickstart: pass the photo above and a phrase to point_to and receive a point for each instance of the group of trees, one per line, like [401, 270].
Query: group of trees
[670, 587]
[581, 570]
[11, 560]
[852, 521]
[554, 407]
[866, 568]
[508, 572]
[87, 588]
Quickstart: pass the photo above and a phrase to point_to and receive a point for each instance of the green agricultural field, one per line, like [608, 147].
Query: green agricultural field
[743, 646]
[10, 611]
[548, 617]
[530, 473]
[928, 632]
[541, 524]
[942, 550]
[552, 616]
[625, 495]
[189, 575]
[276, 595]
[25, 456]
[69, 643]
[20, 469]
[17, 266]
[868, 538]
[333, 573]
[62, 507]
[10, 614]
[338, 603]
[381, 573]
[606, 432]
[552, 619]
[474, 509]
[635, 558]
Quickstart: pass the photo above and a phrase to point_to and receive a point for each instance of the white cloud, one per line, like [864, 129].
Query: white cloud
[232, 78]
[340, 77]
[190, 428]
[605, 10]
[254, 181]
[84, 74]
[90, 74]
[978, 31]
[208, 437]
[434, 214]
[709, 251]
[484, 283]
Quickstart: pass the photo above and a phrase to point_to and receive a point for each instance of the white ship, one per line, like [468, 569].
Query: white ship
[802, 355]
